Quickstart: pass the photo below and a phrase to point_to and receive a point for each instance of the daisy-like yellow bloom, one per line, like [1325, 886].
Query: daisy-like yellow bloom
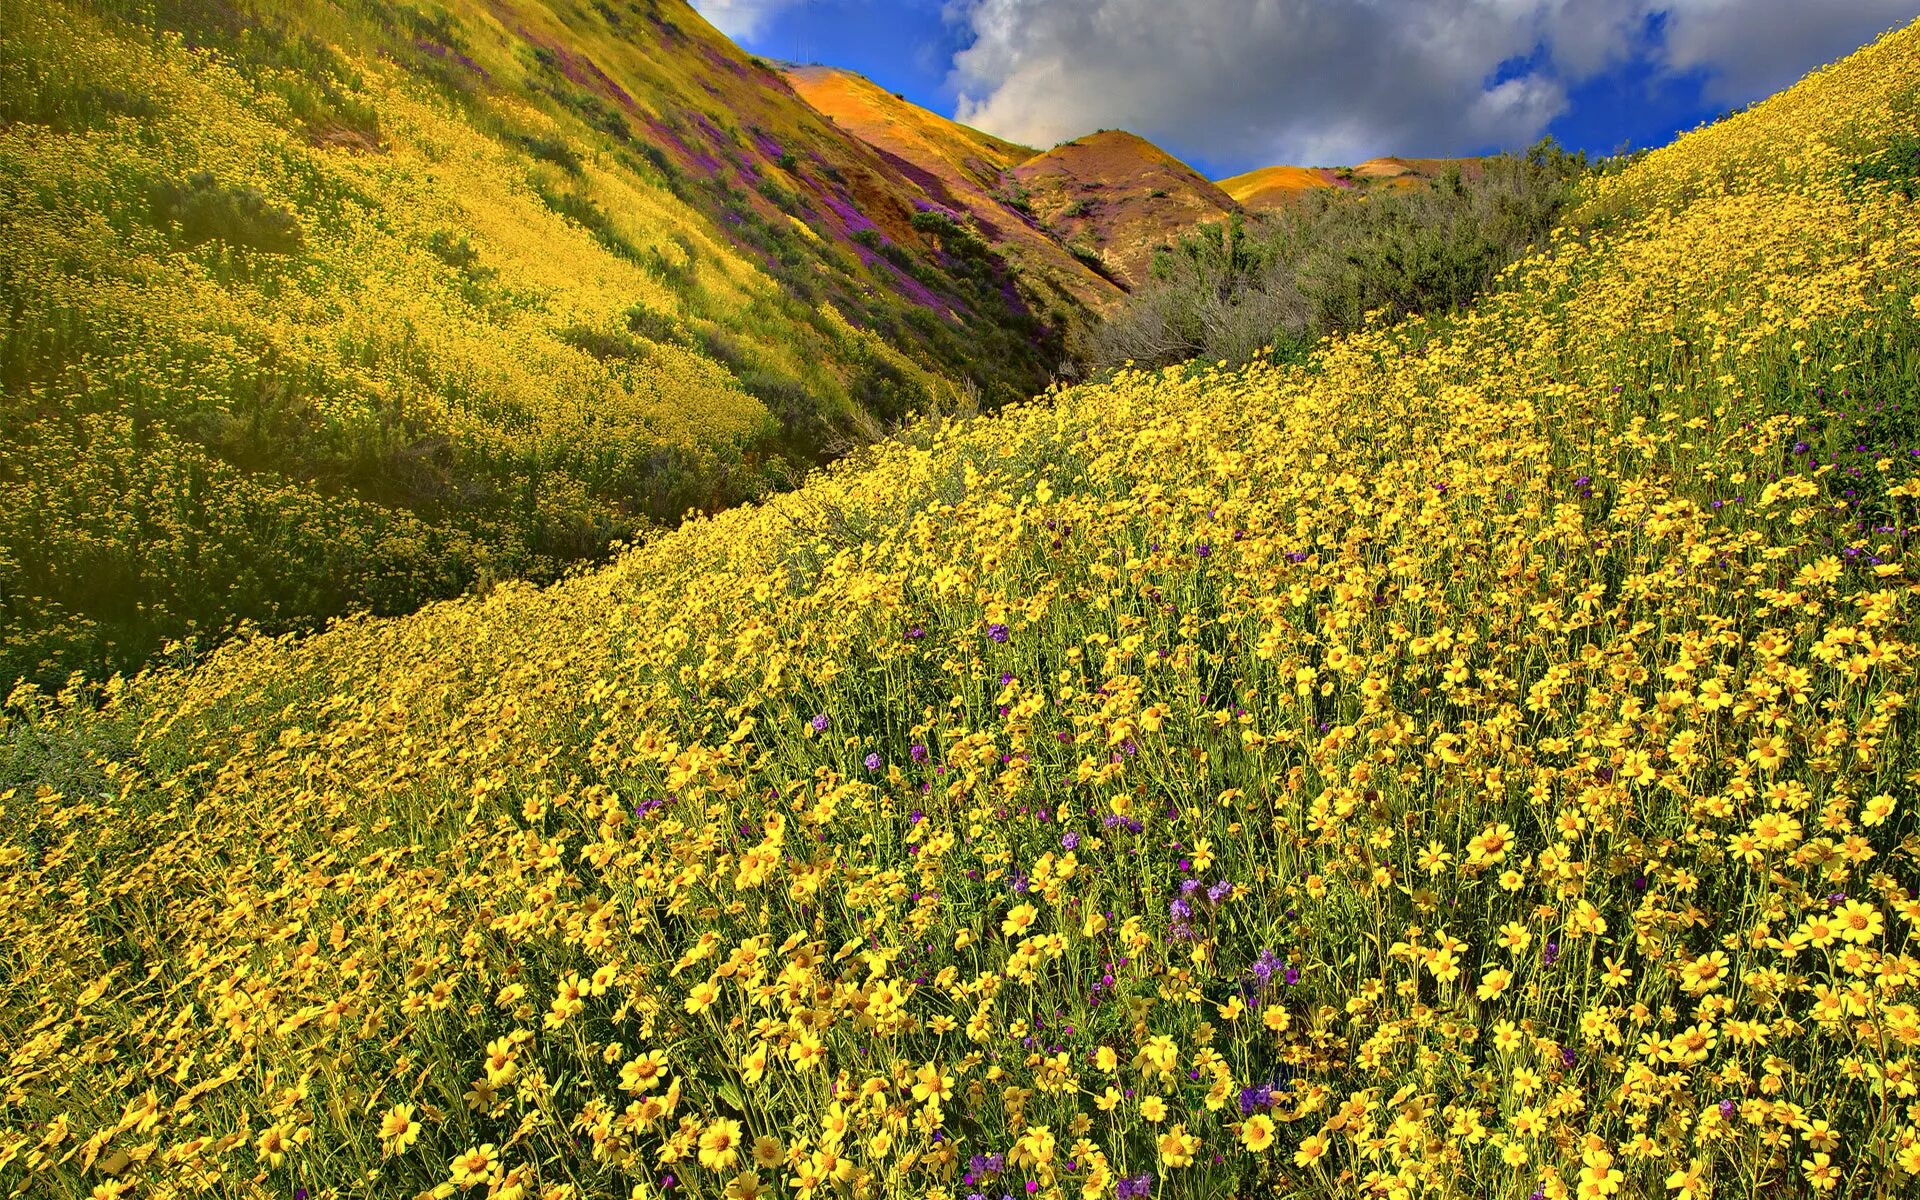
[1160, 1053]
[1859, 922]
[1153, 1108]
[398, 1129]
[1767, 752]
[701, 997]
[1909, 1158]
[807, 1051]
[931, 1085]
[1097, 1181]
[1491, 844]
[768, 1152]
[835, 1124]
[1435, 858]
[1598, 1175]
[1615, 973]
[753, 1066]
[1821, 1172]
[1036, 1145]
[747, 1185]
[499, 1063]
[1706, 973]
[1311, 1149]
[274, 1144]
[808, 1176]
[644, 1072]
[1818, 930]
[568, 1001]
[1019, 919]
[1689, 1182]
[1256, 1133]
[473, 1166]
[1177, 1147]
[720, 1145]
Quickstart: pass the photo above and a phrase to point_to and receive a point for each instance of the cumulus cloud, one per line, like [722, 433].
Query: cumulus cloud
[740, 18]
[1753, 48]
[1336, 81]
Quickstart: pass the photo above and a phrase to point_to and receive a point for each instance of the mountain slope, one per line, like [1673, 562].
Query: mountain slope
[967, 174]
[1115, 197]
[316, 307]
[1275, 187]
[1477, 760]
[881, 118]
[1271, 187]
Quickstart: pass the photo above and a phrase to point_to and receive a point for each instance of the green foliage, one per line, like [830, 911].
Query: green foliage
[1895, 167]
[655, 326]
[584, 212]
[201, 211]
[1234, 289]
[553, 150]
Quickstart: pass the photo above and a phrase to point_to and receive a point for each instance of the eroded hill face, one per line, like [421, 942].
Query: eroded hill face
[1271, 188]
[1086, 216]
[1114, 198]
[968, 175]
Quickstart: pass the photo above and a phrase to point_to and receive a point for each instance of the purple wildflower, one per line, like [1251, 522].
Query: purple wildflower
[1265, 966]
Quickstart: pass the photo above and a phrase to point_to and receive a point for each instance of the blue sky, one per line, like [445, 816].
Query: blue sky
[1229, 85]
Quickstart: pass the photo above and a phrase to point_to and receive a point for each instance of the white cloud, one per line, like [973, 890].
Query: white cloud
[1245, 82]
[1753, 48]
[740, 18]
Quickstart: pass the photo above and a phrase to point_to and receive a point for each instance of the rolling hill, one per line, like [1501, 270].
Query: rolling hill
[350, 305]
[1478, 759]
[1272, 188]
[1114, 198]
[969, 175]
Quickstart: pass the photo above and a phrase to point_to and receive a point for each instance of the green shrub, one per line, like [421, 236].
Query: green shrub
[201, 211]
[1231, 289]
[1897, 167]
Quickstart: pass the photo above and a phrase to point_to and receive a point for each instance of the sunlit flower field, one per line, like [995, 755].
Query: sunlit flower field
[1478, 761]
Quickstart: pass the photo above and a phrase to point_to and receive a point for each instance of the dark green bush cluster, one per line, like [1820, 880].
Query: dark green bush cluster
[1231, 289]
[1896, 167]
[201, 211]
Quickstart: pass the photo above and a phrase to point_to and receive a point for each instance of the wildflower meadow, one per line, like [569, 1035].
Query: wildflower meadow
[1476, 759]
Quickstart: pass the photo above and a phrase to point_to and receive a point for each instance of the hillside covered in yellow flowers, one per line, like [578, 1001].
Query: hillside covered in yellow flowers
[353, 305]
[1478, 760]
